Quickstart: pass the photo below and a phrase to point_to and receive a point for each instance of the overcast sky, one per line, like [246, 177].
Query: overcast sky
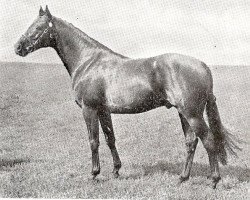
[216, 32]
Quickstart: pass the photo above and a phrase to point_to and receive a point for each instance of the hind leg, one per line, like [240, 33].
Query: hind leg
[191, 143]
[209, 143]
[200, 127]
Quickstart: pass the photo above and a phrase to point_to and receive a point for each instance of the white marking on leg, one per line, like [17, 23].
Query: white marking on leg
[155, 64]
[108, 128]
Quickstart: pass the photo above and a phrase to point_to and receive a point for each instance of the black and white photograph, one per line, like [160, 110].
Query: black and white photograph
[125, 99]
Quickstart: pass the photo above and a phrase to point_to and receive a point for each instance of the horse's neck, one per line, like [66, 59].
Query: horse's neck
[75, 47]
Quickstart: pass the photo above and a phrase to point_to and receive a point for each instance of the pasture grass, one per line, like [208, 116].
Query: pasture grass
[44, 150]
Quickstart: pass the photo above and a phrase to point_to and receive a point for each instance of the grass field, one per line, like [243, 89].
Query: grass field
[44, 150]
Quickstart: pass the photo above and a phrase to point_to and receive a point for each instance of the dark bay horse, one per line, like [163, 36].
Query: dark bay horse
[106, 82]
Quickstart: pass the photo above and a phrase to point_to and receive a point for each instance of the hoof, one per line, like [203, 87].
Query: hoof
[95, 173]
[182, 179]
[94, 177]
[116, 170]
[116, 174]
[215, 181]
[214, 184]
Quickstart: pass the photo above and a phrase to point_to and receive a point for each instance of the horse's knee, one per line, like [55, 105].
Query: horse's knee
[94, 145]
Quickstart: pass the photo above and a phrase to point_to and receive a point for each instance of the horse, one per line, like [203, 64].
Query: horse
[106, 82]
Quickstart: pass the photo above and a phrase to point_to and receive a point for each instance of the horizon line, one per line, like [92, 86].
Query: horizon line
[57, 63]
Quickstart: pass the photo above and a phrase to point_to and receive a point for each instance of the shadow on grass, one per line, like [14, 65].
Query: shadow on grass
[202, 170]
[12, 162]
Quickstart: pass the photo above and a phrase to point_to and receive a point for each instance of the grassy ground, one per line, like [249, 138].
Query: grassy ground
[44, 150]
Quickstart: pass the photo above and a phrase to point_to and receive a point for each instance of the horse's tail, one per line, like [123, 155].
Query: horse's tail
[225, 142]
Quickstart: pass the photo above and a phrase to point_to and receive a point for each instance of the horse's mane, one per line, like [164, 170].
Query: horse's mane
[85, 37]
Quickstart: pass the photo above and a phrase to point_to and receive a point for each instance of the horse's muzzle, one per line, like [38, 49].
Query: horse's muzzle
[20, 50]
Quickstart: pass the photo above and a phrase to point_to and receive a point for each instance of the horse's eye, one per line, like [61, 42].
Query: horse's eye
[38, 28]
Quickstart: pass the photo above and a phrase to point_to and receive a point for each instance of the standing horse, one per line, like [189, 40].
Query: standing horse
[106, 82]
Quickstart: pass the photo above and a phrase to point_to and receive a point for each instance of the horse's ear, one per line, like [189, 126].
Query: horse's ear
[48, 12]
[41, 11]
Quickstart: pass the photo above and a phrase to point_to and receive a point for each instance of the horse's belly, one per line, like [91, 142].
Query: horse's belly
[134, 99]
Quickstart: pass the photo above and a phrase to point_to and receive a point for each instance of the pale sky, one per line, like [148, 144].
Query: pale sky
[216, 32]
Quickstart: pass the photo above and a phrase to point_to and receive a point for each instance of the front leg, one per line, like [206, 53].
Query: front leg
[91, 119]
[107, 127]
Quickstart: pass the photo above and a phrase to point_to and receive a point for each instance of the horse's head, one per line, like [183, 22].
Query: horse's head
[39, 34]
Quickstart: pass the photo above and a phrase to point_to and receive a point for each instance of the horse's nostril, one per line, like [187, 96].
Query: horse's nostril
[30, 48]
[19, 47]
